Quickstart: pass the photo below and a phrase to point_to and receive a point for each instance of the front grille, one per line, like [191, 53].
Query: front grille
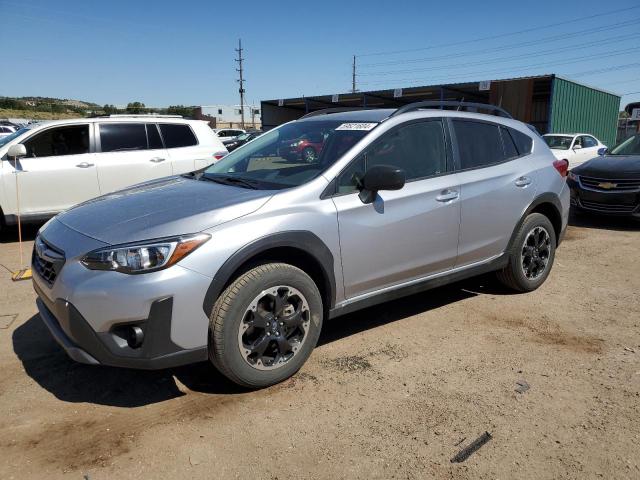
[46, 260]
[608, 207]
[607, 185]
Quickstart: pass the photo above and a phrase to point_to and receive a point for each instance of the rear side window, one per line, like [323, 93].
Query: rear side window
[120, 137]
[479, 144]
[588, 142]
[523, 142]
[177, 135]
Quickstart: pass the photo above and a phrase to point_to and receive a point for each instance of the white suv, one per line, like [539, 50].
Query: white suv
[65, 162]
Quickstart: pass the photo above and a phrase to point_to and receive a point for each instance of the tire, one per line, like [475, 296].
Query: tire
[524, 272]
[237, 324]
[308, 155]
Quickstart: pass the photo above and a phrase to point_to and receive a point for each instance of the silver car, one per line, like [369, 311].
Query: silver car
[241, 262]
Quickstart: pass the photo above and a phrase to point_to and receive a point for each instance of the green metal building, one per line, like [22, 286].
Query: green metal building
[550, 103]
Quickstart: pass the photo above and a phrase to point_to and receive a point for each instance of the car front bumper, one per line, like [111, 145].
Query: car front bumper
[91, 313]
[614, 203]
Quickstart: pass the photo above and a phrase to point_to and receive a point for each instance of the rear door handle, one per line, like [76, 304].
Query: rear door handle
[523, 182]
[84, 165]
[157, 160]
[447, 195]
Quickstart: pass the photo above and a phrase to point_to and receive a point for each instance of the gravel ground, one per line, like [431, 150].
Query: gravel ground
[391, 392]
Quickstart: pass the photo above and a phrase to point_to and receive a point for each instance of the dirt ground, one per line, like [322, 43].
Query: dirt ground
[391, 392]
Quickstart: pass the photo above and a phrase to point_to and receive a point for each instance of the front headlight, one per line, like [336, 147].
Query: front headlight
[143, 257]
[572, 176]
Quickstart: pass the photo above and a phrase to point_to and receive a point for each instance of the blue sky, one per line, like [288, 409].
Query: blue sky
[167, 52]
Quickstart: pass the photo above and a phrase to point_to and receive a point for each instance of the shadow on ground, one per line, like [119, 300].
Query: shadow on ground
[584, 220]
[46, 363]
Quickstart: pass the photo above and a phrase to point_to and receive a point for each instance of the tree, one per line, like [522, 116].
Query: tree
[110, 109]
[180, 110]
[135, 107]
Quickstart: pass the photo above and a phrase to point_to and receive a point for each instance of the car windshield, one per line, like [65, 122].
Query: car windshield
[559, 142]
[287, 156]
[631, 146]
[8, 138]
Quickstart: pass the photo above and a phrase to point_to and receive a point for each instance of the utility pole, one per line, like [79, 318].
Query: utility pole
[353, 76]
[240, 80]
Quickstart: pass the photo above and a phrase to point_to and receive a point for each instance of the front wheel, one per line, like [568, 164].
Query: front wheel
[265, 325]
[531, 256]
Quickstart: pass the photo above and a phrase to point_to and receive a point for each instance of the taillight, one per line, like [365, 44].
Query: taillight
[219, 155]
[562, 166]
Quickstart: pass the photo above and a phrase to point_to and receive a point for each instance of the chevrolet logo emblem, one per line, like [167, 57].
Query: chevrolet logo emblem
[607, 185]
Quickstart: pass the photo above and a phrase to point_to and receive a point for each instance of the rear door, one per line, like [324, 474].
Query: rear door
[497, 184]
[58, 172]
[589, 148]
[405, 234]
[130, 153]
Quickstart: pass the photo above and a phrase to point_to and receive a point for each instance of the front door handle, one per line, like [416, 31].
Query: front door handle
[447, 195]
[157, 160]
[523, 182]
[84, 165]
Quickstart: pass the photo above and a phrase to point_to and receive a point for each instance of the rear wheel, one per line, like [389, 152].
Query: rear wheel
[265, 325]
[531, 256]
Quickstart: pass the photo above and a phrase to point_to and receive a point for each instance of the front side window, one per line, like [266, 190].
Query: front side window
[59, 141]
[122, 137]
[287, 156]
[177, 135]
[417, 148]
[479, 144]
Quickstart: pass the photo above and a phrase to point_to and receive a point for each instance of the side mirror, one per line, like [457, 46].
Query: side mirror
[17, 151]
[603, 151]
[380, 177]
[577, 147]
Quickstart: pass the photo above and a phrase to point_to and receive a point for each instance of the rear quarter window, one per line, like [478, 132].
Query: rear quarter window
[523, 142]
[177, 135]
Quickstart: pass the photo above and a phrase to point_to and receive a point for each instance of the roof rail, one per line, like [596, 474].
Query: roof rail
[327, 111]
[441, 104]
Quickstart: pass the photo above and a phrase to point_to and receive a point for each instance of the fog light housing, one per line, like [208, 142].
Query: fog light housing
[135, 336]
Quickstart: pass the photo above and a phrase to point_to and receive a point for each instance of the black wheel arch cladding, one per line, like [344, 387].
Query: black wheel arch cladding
[306, 243]
[547, 204]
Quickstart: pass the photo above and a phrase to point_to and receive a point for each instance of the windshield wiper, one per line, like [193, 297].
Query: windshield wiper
[235, 181]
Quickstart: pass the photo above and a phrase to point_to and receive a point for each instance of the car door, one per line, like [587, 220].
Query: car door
[182, 147]
[589, 148]
[497, 184]
[130, 153]
[405, 234]
[58, 172]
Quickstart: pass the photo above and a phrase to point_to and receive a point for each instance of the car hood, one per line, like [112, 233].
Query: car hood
[162, 208]
[561, 154]
[610, 166]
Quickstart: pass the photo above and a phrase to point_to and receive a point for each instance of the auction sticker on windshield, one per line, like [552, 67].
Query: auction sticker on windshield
[357, 126]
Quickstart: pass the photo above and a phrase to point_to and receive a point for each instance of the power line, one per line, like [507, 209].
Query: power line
[626, 23]
[502, 35]
[509, 70]
[629, 93]
[504, 59]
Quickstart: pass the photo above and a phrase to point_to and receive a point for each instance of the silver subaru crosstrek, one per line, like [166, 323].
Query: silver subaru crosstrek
[241, 262]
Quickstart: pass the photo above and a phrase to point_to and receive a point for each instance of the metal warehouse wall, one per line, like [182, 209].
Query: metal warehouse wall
[579, 109]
